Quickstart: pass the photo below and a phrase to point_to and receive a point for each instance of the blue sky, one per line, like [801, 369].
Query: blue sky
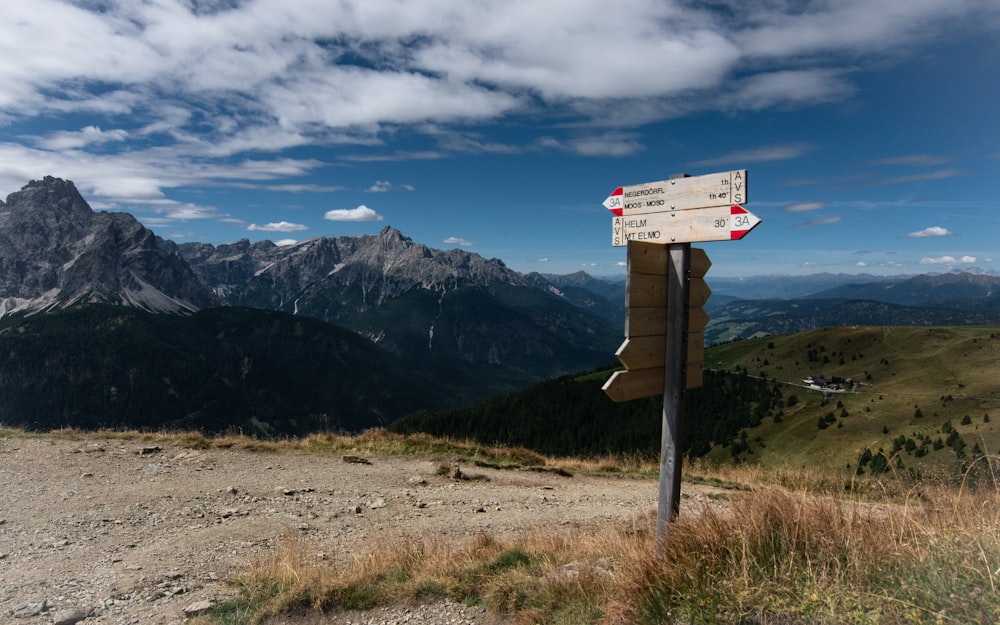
[870, 130]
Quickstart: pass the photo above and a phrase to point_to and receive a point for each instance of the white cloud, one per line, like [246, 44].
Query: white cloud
[282, 65]
[383, 186]
[277, 226]
[285, 242]
[847, 25]
[90, 135]
[424, 155]
[762, 154]
[802, 207]
[915, 160]
[933, 231]
[138, 177]
[948, 260]
[301, 188]
[178, 211]
[137, 188]
[605, 144]
[822, 221]
[457, 241]
[790, 87]
[940, 174]
[361, 213]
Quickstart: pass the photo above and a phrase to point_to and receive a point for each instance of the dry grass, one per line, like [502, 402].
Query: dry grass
[770, 556]
[783, 558]
[547, 576]
[377, 442]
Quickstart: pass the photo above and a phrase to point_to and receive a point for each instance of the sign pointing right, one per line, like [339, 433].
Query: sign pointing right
[716, 223]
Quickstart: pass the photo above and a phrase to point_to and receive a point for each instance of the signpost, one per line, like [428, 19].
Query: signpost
[664, 344]
[721, 189]
[713, 223]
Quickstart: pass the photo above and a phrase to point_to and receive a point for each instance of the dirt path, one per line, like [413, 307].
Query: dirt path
[128, 534]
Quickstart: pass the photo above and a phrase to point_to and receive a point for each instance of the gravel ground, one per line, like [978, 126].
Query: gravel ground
[124, 533]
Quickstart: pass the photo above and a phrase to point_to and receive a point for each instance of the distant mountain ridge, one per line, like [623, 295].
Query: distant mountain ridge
[744, 319]
[421, 303]
[841, 285]
[949, 299]
[449, 307]
[950, 290]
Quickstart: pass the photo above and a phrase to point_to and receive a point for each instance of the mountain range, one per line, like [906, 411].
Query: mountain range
[810, 302]
[471, 326]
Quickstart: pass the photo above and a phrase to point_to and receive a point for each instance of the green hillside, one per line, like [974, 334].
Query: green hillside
[910, 400]
[921, 397]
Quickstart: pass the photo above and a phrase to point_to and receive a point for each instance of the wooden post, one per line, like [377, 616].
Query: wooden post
[668, 289]
[674, 383]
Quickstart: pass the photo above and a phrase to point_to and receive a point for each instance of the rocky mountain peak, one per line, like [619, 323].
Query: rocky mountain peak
[55, 251]
[390, 236]
[50, 194]
[42, 208]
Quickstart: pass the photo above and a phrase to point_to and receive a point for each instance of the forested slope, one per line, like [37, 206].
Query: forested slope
[573, 416]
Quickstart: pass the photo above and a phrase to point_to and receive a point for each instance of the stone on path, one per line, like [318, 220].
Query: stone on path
[31, 607]
[69, 617]
[198, 607]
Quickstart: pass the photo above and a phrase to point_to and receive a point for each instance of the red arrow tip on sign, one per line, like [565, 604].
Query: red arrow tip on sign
[746, 222]
[614, 202]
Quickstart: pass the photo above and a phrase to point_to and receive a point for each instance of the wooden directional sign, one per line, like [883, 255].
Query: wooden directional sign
[647, 321]
[720, 189]
[652, 259]
[643, 353]
[649, 352]
[647, 290]
[628, 385]
[716, 223]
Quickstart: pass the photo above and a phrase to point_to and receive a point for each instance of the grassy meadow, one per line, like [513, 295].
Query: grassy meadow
[910, 390]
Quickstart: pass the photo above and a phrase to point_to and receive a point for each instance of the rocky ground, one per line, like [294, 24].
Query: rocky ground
[122, 532]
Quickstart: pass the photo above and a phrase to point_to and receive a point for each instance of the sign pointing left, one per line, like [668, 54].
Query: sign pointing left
[614, 201]
[680, 193]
